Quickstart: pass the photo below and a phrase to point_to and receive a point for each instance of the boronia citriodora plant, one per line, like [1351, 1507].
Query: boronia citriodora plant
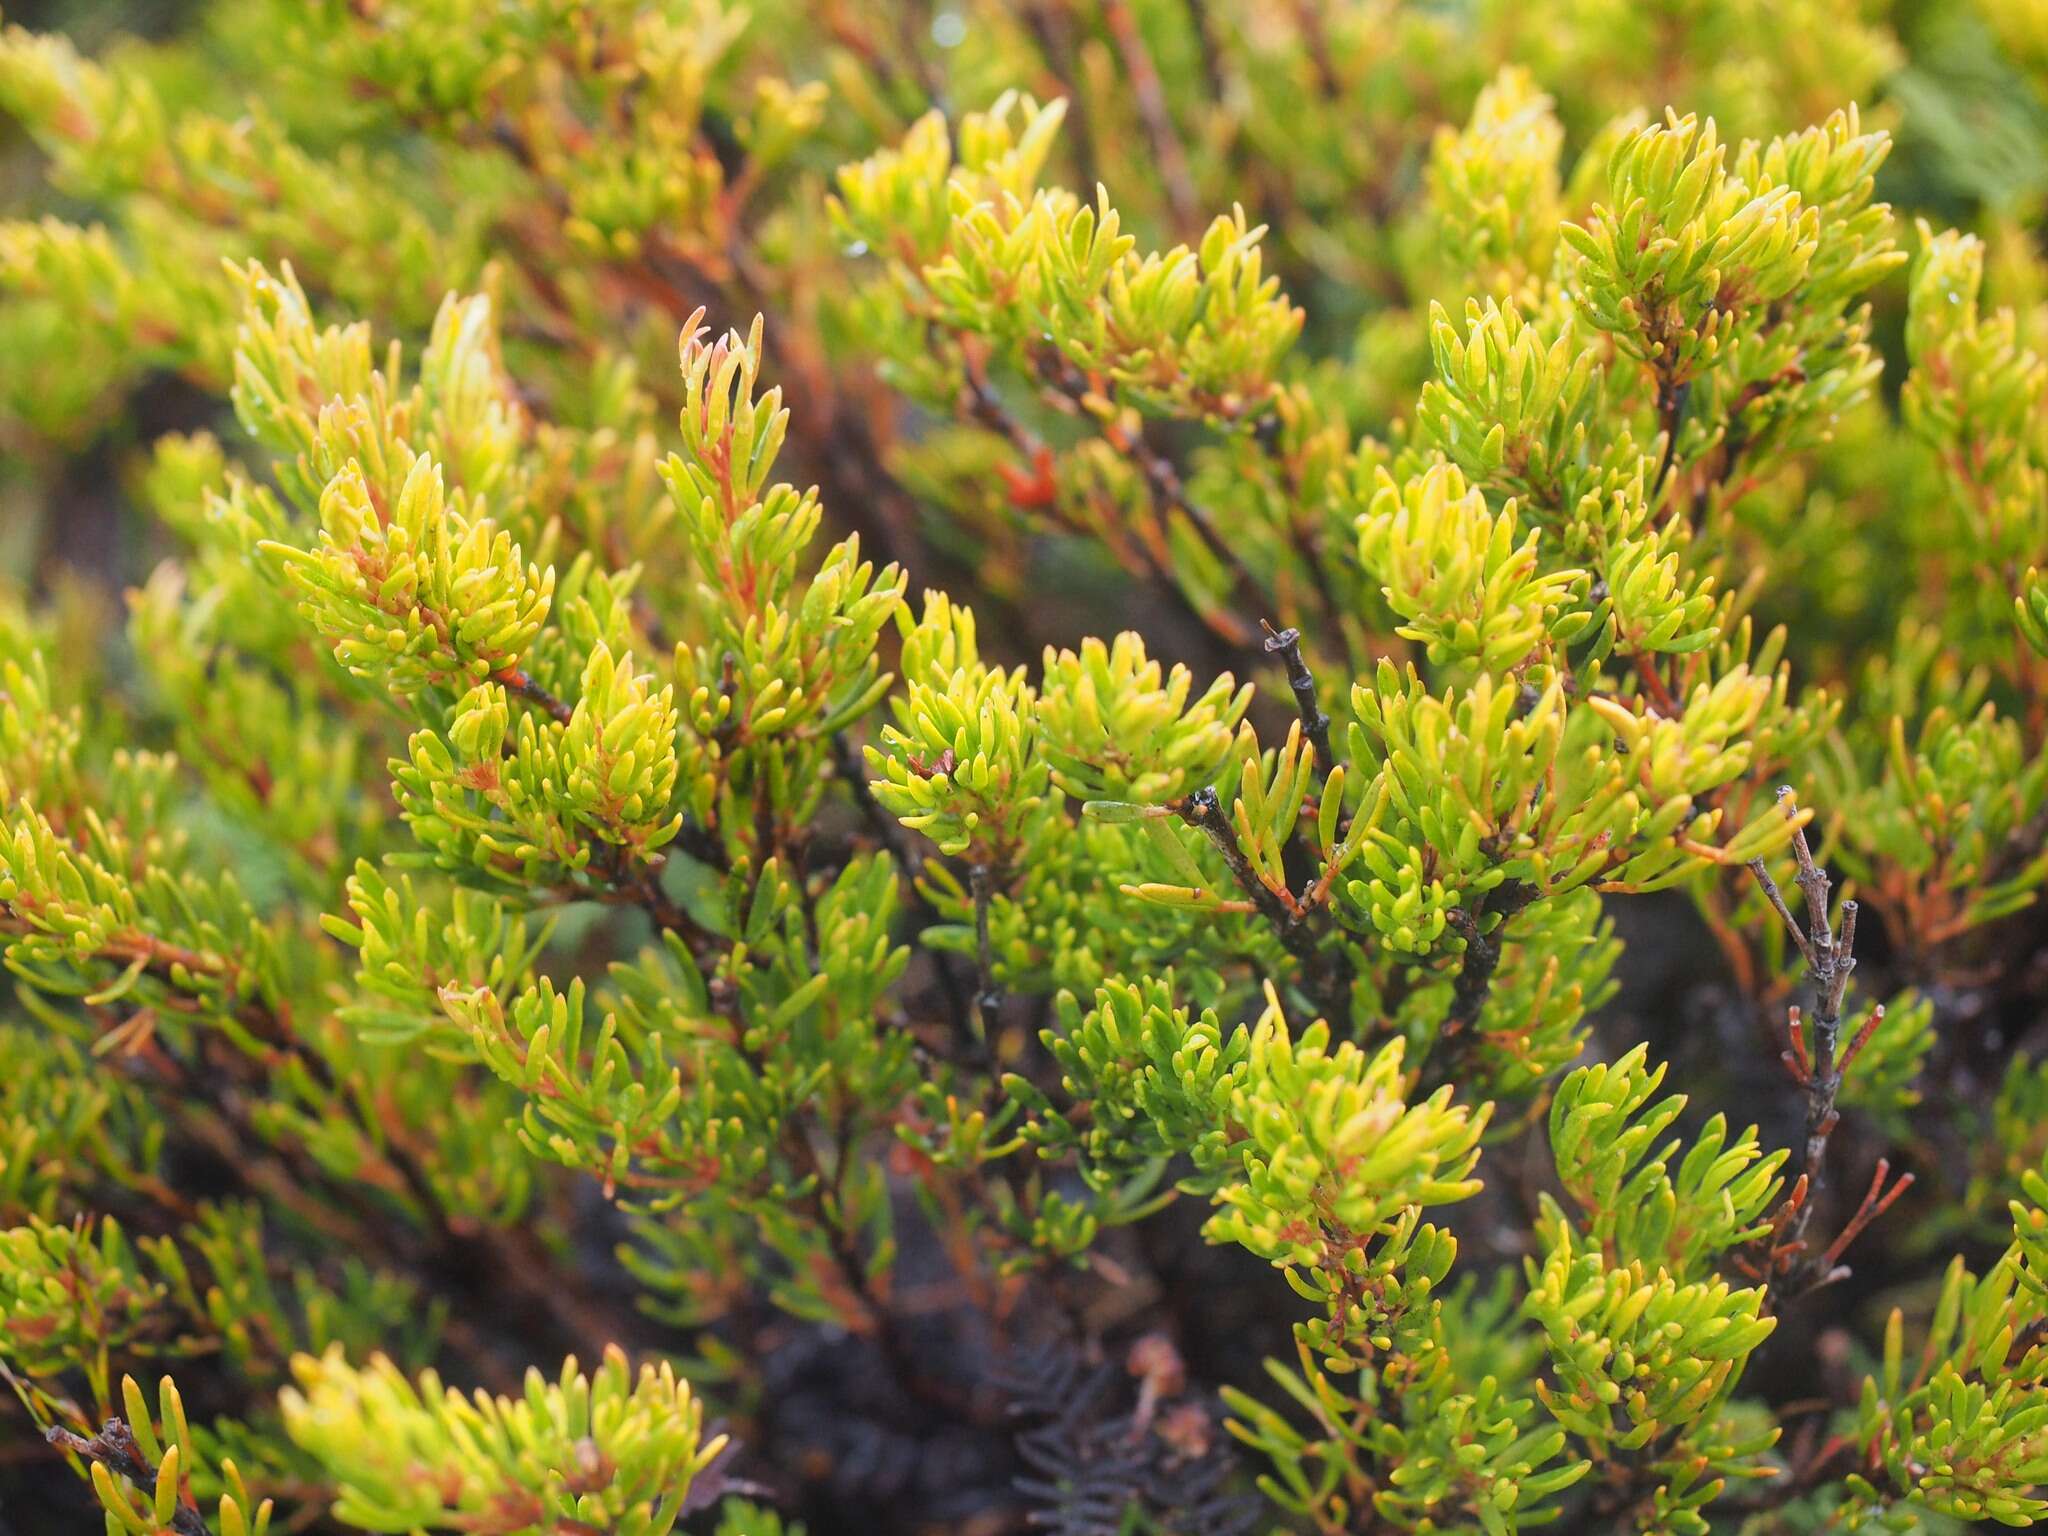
[1115, 766]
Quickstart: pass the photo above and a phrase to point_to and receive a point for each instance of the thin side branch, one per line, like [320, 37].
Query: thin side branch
[638, 884]
[1876, 1201]
[1325, 976]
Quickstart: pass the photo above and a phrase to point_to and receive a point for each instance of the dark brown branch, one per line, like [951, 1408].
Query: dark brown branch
[162, 961]
[1203, 810]
[843, 452]
[1169, 491]
[816, 1195]
[1140, 551]
[887, 830]
[114, 1448]
[1735, 436]
[635, 884]
[859, 489]
[1482, 953]
[518, 680]
[1459, 1036]
[1326, 976]
[1202, 24]
[1286, 644]
[704, 845]
[1034, 487]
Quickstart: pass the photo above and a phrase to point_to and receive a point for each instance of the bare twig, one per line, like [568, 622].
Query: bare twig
[1735, 436]
[1286, 644]
[1817, 1060]
[1661, 697]
[115, 1449]
[632, 883]
[1829, 963]
[1202, 25]
[887, 830]
[1203, 810]
[1781, 1253]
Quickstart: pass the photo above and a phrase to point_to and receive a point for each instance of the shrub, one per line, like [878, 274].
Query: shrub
[577, 971]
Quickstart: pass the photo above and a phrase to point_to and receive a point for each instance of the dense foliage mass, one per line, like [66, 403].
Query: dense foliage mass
[1135, 766]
